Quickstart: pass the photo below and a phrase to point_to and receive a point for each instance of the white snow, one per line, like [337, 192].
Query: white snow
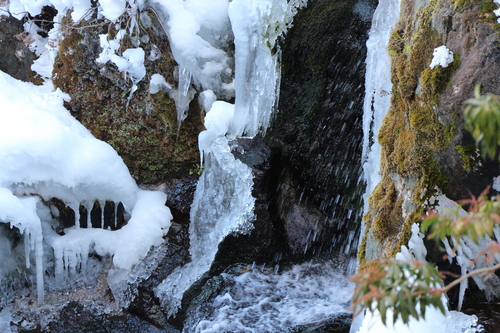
[47, 154]
[199, 33]
[496, 184]
[435, 322]
[158, 83]
[442, 56]
[130, 62]
[497, 11]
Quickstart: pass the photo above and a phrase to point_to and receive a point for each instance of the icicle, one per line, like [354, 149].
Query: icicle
[38, 239]
[88, 207]
[76, 208]
[115, 223]
[102, 204]
[59, 262]
[183, 97]
[27, 249]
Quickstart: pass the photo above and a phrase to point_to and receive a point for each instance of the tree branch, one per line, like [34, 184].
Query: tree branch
[483, 270]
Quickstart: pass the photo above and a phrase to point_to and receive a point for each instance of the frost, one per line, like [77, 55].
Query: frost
[442, 57]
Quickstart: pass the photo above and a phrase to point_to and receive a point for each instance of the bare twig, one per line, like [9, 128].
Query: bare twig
[482, 271]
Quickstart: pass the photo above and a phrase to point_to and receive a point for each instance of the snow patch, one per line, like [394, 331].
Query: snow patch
[442, 56]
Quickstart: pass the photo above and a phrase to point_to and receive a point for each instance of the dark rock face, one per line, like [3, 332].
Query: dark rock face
[316, 135]
[75, 317]
[15, 57]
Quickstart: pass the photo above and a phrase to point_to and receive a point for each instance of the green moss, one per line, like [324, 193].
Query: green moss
[164, 107]
[488, 6]
[471, 158]
[362, 248]
[462, 3]
[414, 133]
[435, 81]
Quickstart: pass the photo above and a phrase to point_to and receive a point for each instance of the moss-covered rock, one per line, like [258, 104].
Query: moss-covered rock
[143, 127]
[423, 139]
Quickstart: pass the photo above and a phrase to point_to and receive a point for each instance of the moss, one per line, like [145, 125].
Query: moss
[164, 107]
[414, 133]
[488, 6]
[143, 130]
[471, 158]
[462, 3]
[362, 248]
[436, 80]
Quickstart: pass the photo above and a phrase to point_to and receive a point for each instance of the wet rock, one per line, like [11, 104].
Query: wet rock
[264, 243]
[74, 317]
[316, 134]
[487, 315]
[340, 324]
[146, 305]
[15, 56]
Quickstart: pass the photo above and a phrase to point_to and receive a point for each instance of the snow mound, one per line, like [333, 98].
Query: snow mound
[47, 154]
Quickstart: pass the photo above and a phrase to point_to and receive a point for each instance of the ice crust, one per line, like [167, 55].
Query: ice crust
[223, 203]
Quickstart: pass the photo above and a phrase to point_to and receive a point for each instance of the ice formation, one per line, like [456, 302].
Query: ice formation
[469, 256]
[378, 89]
[442, 57]
[80, 170]
[223, 201]
[47, 154]
[435, 321]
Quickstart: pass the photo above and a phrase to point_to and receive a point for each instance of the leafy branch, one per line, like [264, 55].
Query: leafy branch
[482, 119]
